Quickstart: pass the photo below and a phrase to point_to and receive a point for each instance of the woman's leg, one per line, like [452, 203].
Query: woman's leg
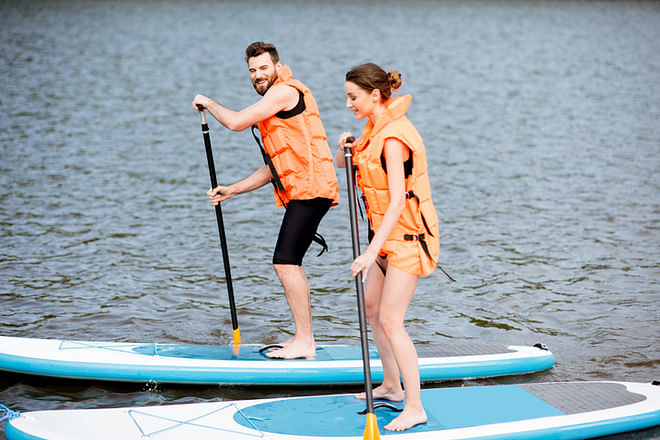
[398, 290]
[390, 388]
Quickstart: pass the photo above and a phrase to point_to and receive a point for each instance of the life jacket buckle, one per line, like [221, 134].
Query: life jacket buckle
[412, 195]
[411, 237]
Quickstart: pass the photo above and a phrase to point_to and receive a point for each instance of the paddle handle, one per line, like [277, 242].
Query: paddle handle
[236, 333]
[352, 209]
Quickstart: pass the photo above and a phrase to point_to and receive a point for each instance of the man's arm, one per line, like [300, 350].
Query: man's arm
[278, 97]
[255, 180]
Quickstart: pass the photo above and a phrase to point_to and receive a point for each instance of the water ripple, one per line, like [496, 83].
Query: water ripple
[541, 124]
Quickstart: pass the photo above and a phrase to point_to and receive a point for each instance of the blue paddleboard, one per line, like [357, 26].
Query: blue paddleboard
[248, 365]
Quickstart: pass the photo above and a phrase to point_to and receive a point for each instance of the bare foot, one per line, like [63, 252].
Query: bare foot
[287, 342]
[385, 393]
[293, 350]
[406, 420]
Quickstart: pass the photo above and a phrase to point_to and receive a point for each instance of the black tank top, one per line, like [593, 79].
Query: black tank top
[298, 109]
[407, 165]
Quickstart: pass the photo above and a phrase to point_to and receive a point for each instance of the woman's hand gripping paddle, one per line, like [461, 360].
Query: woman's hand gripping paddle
[221, 228]
[371, 428]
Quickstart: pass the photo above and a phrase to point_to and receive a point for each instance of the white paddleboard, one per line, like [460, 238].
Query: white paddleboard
[566, 410]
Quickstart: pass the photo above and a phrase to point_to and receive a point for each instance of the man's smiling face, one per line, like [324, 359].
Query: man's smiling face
[263, 72]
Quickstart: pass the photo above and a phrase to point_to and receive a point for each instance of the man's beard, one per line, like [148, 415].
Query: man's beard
[262, 89]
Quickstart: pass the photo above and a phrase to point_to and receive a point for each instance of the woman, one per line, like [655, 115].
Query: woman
[404, 244]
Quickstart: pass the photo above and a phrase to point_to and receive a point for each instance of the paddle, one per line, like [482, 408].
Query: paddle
[221, 228]
[371, 428]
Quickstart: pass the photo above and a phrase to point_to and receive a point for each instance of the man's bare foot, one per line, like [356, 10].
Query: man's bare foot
[293, 349]
[407, 419]
[384, 393]
[287, 342]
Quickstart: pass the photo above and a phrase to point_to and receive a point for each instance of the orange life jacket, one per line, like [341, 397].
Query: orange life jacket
[299, 150]
[414, 244]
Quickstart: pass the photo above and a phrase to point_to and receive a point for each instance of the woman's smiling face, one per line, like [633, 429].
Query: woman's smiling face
[359, 100]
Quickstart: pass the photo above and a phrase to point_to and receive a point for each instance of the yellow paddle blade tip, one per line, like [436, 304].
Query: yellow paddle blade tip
[371, 429]
[237, 336]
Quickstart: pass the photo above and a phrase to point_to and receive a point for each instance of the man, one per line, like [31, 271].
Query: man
[301, 168]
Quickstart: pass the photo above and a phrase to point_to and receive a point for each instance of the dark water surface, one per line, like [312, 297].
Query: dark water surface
[542, 124]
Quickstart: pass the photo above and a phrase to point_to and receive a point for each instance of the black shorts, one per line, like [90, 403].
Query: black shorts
[299, 225]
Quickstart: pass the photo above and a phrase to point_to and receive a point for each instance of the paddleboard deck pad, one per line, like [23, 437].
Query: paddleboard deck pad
[248, 365]
[566, 410]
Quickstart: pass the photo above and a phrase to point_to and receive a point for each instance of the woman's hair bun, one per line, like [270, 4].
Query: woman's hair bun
[394, 78]
[371, 77]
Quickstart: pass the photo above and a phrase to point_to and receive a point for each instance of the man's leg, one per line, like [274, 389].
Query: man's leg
[299, 225]
[296, 289]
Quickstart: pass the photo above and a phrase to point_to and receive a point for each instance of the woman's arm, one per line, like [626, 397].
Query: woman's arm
[340, 159]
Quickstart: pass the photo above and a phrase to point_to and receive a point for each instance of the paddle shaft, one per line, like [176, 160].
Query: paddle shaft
[221, 228]
[352, 209]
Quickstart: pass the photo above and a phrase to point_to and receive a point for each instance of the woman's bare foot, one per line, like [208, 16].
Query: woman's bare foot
[385, 393]
[293, 349]
[407, 419]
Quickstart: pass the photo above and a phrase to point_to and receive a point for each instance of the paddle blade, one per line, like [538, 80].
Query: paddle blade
[371, 429]
[236, 333]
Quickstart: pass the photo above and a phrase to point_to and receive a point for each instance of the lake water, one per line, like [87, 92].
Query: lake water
[542, 125]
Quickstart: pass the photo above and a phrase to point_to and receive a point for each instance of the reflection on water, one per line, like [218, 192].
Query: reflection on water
[541, 123]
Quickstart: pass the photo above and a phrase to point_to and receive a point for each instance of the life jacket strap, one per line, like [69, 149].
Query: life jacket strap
[425, 247]
[364, 202]
[318, 238]
[412, 195]
[275, 180]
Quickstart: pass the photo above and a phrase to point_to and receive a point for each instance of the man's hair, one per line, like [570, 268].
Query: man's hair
[258, 47]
